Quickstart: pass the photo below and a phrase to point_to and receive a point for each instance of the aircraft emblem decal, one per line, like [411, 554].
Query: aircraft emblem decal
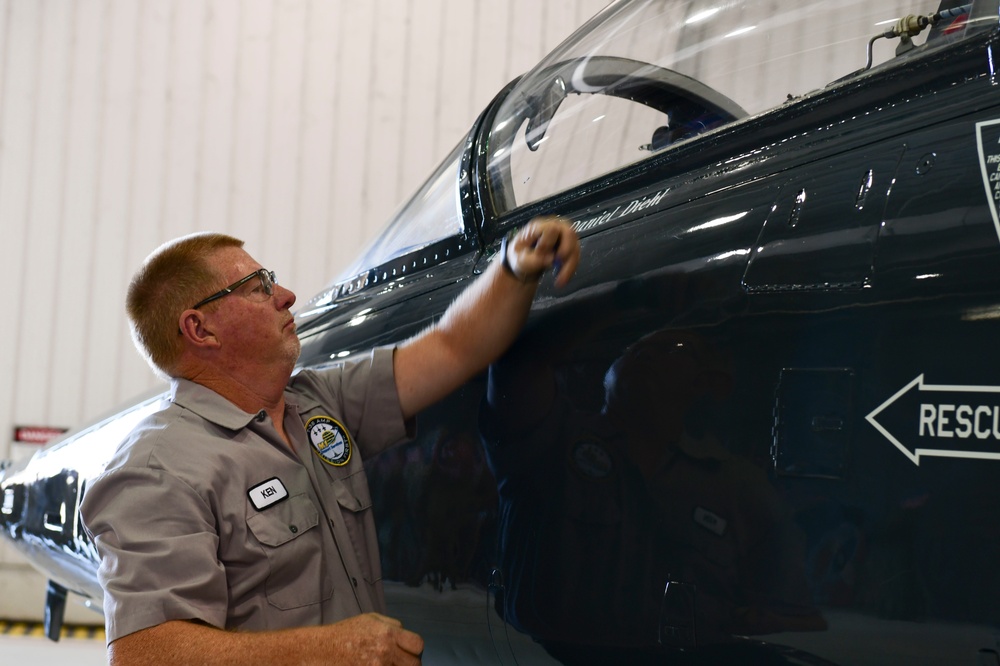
[966, 422]
[988, 142]
[330, 440]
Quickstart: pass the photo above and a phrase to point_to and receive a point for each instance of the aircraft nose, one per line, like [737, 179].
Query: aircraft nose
[11, 498]
[6, 498]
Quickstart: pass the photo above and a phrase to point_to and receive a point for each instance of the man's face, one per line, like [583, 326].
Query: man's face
[252, 328]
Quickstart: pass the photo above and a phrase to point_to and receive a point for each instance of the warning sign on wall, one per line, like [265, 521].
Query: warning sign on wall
[36, 434]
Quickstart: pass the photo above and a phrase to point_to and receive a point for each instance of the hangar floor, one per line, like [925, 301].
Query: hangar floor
[22, 643]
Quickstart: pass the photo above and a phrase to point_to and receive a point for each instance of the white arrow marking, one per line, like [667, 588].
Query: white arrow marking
[942, 453]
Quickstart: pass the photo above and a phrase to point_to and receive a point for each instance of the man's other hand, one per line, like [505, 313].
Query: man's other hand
[374, 639]
[544, 243]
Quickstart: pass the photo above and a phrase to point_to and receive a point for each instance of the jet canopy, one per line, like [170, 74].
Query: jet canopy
[643, 76]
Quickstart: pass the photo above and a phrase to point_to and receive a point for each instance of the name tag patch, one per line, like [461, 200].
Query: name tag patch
[268, 493]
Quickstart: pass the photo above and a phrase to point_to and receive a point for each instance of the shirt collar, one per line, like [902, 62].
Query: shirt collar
[216, 409]
[208, 404]
[303, 402]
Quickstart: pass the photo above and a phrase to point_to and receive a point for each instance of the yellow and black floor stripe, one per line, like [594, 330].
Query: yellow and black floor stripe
[37, 630]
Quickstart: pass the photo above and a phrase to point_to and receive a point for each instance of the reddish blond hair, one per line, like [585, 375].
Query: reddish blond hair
[170, 280]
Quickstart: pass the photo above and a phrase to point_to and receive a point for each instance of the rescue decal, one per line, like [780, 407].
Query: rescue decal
[268, 493]
[330, 440]
[959, 422]
[988, 142]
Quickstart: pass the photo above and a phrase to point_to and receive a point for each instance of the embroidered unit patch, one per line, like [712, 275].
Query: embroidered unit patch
[330, 440]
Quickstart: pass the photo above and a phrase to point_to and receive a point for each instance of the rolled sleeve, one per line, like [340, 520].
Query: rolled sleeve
[159, 569]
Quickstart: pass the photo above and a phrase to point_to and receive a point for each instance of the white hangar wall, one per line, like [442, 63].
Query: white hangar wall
[297, 125]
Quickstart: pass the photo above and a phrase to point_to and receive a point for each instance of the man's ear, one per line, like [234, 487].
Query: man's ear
[194, 326]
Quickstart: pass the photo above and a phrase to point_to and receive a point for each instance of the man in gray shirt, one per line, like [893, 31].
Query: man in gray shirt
[243, 505]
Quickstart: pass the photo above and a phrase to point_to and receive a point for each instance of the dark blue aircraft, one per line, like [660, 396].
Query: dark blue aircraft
[761, 425]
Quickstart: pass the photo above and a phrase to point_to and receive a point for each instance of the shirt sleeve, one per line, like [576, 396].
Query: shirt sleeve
[365, 395]
[154, 570]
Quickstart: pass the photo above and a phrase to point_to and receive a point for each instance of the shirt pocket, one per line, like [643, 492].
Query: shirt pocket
[355, 501]
[294, 549]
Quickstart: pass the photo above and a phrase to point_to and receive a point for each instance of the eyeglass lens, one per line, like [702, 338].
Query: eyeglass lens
[267, 280]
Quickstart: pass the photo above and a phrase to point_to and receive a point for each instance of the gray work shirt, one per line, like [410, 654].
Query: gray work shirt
[204, 513]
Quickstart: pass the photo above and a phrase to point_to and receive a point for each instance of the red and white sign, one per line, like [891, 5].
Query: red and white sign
[36, 434]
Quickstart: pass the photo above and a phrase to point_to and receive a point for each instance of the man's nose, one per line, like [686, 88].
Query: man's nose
[284, 298]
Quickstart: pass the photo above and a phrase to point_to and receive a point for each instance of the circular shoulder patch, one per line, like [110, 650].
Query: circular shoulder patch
[330, 440]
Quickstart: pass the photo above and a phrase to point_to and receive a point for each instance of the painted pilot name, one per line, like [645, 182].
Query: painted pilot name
[619, 212]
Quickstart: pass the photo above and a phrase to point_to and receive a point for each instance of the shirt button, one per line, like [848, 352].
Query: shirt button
[294, 529]
[355, 581]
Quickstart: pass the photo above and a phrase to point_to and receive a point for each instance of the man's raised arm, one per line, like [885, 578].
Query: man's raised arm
[486, 318]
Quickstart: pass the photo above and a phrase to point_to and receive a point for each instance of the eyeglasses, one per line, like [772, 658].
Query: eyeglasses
[267, 282]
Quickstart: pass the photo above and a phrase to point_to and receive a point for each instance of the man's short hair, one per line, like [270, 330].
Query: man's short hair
[170, 280]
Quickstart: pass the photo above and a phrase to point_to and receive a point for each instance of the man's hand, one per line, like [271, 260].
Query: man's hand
[373, 639]
[544, 243]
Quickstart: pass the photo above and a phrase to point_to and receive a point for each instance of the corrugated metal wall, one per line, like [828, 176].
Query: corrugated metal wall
[298, 125]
